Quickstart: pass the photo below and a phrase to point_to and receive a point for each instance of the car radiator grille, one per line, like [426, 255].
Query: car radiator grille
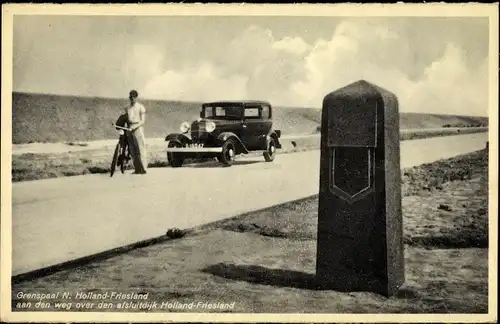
[198, 133]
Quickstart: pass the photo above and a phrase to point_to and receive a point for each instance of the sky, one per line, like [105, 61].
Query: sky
[433, 65]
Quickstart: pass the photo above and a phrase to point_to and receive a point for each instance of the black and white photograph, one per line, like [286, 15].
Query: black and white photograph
[249, 163]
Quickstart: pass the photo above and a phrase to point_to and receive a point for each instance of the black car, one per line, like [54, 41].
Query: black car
[226, 129]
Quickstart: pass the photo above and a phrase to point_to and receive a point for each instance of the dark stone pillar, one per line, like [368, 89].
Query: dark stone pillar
[360, 230]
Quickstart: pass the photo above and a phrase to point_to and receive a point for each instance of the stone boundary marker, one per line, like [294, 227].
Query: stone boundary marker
[360, 229]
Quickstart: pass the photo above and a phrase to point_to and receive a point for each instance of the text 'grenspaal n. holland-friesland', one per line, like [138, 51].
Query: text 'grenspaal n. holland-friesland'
[111, 295]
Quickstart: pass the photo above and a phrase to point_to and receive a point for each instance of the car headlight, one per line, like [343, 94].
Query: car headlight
[210, 126]
[185, 127]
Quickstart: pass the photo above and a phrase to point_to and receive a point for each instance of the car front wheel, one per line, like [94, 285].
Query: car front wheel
[228, 153]
[270, 152]
[175, 159]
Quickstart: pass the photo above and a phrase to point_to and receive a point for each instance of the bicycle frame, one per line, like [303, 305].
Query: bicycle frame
[121, 155]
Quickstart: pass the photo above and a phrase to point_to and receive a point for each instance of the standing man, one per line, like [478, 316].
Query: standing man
[136, 139]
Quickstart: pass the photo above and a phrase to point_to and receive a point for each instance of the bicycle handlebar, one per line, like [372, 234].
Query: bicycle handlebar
[120, 127]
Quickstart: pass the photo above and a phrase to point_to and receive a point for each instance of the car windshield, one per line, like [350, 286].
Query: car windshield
[223, 112]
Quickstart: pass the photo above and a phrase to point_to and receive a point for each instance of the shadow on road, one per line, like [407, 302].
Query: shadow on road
[262, 275]
[192, 164]
[218, 164]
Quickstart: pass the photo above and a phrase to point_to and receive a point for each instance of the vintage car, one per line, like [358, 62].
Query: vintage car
[224, 130]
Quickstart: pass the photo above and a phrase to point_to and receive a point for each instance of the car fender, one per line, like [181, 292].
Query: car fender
[224, 136]
[276, 134]
[181, 138]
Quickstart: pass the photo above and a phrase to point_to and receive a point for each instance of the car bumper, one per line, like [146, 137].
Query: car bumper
[195, 149]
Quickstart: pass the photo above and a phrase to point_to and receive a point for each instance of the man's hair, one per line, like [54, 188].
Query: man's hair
[133, 94]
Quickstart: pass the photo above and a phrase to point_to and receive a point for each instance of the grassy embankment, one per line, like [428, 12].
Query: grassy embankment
[265, 260]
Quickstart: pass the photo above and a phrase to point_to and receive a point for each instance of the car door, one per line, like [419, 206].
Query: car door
[254, 128]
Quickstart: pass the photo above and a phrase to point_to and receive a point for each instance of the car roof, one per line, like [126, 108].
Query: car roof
[240, 102]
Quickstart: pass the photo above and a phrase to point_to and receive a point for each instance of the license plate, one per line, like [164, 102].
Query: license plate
[194, 145]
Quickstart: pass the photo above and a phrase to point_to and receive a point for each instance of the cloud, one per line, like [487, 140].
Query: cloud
[249, 67]
[293, 45]
[200, 83]
[291, 72]
[449, 86]
[142, 63]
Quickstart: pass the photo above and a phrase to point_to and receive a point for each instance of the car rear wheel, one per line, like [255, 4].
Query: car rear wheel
[228, 153]
[270, 153]
[175, 159]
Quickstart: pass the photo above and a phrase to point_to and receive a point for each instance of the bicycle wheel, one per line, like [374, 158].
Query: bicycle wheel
[123, 159]
[115, 159]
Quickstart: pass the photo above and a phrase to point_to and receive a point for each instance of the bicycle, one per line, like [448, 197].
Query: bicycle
[121, 155]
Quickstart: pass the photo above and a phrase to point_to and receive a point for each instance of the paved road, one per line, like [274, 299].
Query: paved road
[109, 144]
[57, 220]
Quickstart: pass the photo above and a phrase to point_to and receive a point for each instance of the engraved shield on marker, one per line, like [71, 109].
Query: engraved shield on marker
[352, 172]
[352, 149]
